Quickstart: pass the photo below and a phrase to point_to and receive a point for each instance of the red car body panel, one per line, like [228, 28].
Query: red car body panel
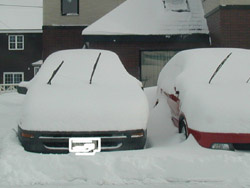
[205, 139]
[174, 104]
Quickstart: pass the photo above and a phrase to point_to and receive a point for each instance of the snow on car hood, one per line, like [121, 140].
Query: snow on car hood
[222, 106]
[114, 100]
[217, 109]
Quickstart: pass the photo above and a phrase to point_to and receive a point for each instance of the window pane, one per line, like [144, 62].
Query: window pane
[17, 78]
[19, 45]
[12, 38]
[70, 7]
[12, 46]
[8, 78]
[19, 38]
[152, 63]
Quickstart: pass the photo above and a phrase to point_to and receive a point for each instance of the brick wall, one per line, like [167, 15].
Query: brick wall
[60, 38]
[229, 27]
[129, 52]
[235, 27]
[214, 25]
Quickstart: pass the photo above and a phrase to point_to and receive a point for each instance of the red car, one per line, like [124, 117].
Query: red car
[208, 92]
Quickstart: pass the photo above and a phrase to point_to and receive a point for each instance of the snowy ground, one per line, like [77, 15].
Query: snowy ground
[168, 160]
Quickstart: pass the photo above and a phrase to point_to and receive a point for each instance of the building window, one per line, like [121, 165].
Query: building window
[70, 7]
[16, 42]
[13, 77]
[36, 69]
[152, 63]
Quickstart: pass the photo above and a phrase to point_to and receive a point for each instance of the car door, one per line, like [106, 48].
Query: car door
[174, 104]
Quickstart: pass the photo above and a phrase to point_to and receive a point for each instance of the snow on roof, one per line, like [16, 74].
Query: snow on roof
[37, 63]
[21, 16]
[152, 17]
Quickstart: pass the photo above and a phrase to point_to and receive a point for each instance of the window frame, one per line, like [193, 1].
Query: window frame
[15, 42]
[70, 14]
[13, 73]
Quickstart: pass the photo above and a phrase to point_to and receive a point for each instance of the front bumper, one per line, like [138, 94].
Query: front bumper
[58, 142]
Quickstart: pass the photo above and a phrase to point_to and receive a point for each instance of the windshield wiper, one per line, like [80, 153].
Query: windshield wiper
[248, 80]
[218, 68]
[97, 60]
[54, 73]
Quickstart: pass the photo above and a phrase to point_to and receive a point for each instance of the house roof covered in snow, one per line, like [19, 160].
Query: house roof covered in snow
[21, 16]
[152, 17]
[37, 63]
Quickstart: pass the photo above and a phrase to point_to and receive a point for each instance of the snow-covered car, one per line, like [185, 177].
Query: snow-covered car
[208, 92]
[83, 93]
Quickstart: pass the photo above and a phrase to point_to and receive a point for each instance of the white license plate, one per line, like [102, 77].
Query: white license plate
[84, 146]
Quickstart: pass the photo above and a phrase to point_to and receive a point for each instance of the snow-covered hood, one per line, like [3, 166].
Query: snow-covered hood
[217, 108]
[114, 100]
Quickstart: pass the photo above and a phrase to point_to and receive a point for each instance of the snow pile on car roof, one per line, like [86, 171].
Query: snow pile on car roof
[114, 100]
[221, 106]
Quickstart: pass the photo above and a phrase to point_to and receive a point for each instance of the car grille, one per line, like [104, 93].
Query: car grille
[56, 145]
[59, 141]
[63, 144]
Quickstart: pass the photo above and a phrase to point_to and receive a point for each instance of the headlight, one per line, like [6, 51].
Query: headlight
[222, 146]
[137, 135]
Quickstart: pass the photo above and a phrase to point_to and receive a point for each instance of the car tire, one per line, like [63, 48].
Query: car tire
[183, 128]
